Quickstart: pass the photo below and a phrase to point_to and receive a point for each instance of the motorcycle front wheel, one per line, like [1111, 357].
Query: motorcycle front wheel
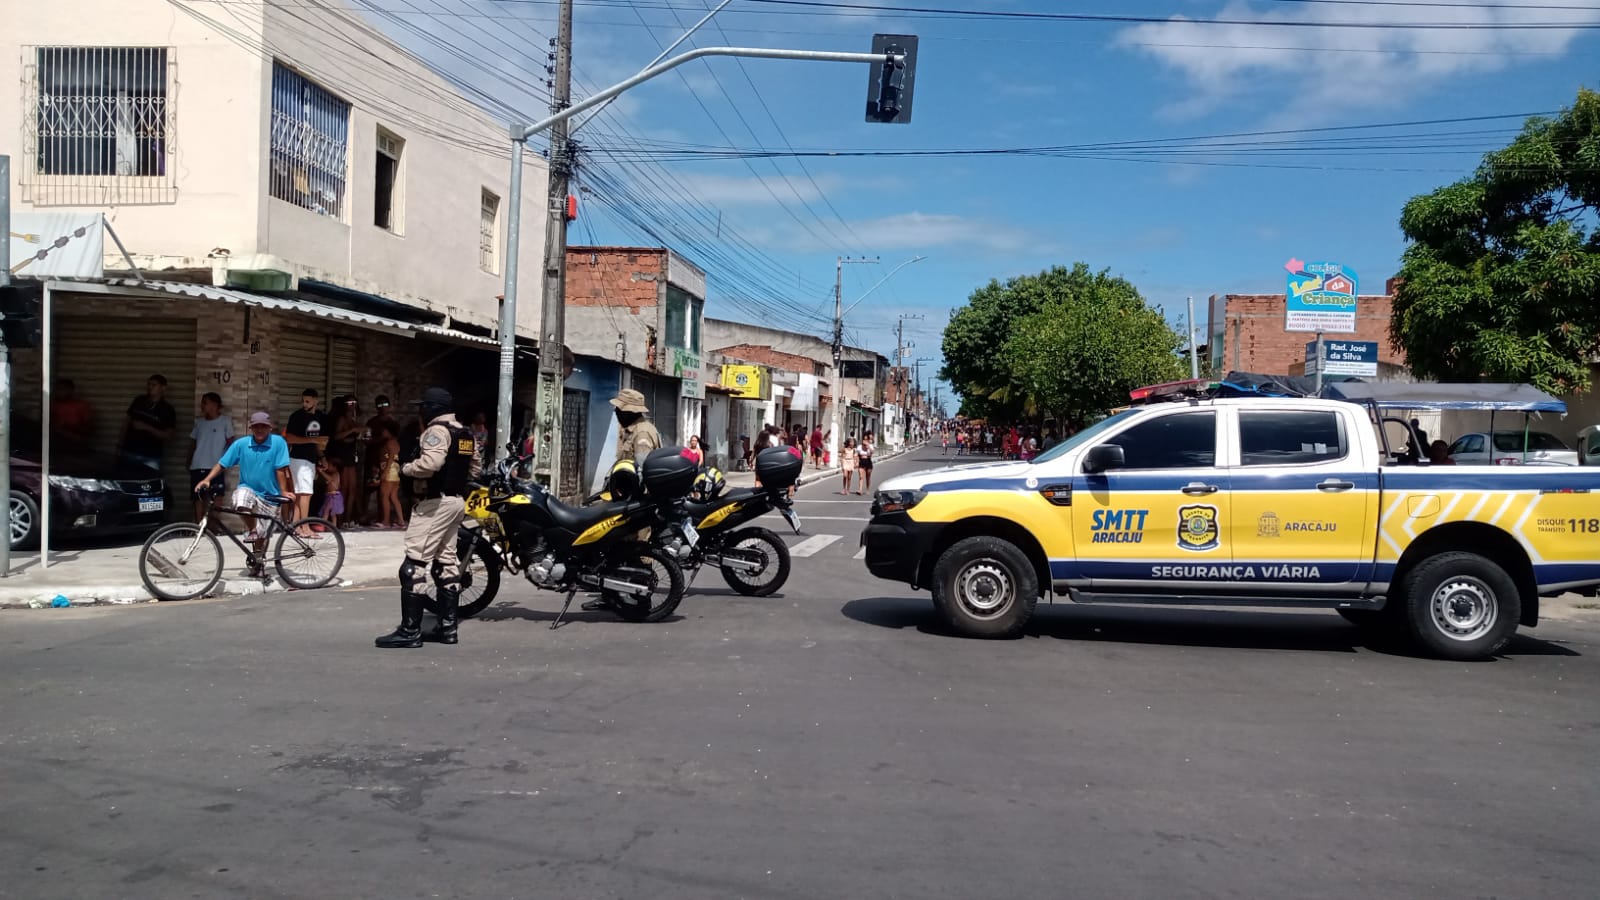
[762, 549]
[480, 574]
[664, 577]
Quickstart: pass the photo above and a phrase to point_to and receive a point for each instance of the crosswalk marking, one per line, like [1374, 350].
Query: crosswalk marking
[812, 544]
[860, 554]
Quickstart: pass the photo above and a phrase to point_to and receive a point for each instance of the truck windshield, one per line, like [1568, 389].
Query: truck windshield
[1087, 436]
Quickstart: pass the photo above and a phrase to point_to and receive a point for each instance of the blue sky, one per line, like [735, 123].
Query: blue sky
[1212, 217]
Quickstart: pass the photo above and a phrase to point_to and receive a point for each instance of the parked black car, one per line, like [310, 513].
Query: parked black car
[90, 494]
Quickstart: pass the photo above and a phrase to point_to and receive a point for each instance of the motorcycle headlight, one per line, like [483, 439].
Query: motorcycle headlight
[896, 501]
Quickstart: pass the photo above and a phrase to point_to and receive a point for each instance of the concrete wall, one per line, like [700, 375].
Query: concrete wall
[220, 92]
[219, 125]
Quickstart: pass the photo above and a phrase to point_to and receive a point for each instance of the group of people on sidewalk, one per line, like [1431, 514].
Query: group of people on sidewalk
[342, 466]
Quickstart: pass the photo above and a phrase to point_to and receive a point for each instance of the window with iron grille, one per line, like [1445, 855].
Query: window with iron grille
[101, 126]
[310, 143]
[489, 234]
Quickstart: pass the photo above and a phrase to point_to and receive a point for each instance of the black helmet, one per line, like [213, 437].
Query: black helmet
[435, 402]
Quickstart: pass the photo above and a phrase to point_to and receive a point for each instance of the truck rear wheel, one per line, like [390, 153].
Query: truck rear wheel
[1461, 605]
[985, 587]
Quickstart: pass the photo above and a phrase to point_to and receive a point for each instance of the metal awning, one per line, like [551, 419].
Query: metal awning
[266, 301]
[1487, 397]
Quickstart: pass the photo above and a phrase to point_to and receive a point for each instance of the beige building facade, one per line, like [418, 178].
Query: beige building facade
[313, 206]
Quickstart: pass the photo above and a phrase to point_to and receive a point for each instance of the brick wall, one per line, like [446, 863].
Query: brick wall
[777, 359]
[614, 276]
[1254, 339]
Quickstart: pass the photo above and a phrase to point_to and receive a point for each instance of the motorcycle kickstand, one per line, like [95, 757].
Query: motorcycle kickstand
[564, 607]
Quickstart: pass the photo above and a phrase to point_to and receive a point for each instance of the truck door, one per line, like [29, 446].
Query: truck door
[1163, 518]
[1304, 502]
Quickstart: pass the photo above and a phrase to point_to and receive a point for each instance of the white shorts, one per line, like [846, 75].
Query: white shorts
[304, 472]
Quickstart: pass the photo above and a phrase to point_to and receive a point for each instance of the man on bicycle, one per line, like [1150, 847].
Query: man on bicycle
[263, 461]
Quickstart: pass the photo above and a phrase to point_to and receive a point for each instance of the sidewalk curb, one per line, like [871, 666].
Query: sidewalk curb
[126, 594]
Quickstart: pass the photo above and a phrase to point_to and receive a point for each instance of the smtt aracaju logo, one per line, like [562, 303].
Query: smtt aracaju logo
[1118, 526]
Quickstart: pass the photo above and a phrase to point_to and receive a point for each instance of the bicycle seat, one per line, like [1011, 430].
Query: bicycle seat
[276, 499]
[579, 518]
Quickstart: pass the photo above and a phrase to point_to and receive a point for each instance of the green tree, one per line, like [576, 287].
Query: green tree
[972, 343]
[1502, 278]
[1067, 343]
[1084, 350]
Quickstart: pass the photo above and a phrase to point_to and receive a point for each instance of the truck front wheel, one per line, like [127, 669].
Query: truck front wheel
[1461, 605]
[985, 587]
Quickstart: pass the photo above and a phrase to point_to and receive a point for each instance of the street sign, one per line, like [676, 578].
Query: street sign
[1321, 297]
[1343, 358]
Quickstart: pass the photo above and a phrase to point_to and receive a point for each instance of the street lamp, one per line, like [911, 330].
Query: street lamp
[839, 311]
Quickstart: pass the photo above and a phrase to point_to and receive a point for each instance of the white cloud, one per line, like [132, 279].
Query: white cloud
[921, 231]
[756, 191]
[1220, 62]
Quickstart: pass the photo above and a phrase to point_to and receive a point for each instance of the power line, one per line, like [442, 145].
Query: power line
[809, 7]
[969, 38]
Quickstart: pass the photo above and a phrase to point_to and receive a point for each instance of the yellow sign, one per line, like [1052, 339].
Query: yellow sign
[745, 381]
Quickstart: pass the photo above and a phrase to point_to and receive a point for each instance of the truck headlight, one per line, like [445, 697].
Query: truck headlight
[896, 501]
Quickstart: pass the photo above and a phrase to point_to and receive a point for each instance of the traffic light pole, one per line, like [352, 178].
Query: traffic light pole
[547, 420]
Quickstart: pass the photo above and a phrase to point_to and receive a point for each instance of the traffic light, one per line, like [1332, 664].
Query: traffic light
[889, 83]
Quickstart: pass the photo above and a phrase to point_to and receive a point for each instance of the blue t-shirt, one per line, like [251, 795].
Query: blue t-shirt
[258, 463]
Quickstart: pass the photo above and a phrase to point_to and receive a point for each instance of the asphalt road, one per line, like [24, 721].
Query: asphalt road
[830, 742]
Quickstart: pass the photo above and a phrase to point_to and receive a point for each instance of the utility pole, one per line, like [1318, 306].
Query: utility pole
[553, 321]
[889, 100]
[1194, 351]
[838, 348]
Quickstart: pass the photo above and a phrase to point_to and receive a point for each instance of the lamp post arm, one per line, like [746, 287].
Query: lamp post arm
[522, 134]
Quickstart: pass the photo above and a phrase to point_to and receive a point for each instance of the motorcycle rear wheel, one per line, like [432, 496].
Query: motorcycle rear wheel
[666, 585]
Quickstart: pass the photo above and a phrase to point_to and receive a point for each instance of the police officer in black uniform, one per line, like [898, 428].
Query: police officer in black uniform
[446, 458]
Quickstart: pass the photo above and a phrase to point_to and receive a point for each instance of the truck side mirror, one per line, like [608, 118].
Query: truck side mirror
[1103, 457]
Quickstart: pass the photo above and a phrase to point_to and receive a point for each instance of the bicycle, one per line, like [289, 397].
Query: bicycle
[184, 560]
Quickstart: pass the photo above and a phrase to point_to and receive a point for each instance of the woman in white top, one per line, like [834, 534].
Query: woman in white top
[864, 461]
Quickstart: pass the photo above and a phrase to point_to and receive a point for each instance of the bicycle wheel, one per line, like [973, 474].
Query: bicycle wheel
[308, 563]
[180, 562]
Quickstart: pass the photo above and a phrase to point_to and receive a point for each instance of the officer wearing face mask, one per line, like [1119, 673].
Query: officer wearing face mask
[638, 435]
[447, 458]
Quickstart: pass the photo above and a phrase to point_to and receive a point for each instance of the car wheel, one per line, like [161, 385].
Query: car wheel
[985, 587]
[24, 521]
[1461, 606]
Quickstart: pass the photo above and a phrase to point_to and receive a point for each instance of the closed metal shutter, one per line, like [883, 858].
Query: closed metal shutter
[302, 363]
[574, 444]
[342, 367]
[110, 359]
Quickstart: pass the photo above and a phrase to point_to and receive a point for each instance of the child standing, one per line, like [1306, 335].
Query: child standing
[332, 500]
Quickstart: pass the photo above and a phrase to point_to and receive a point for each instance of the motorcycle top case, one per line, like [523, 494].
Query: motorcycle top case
[779, 467]
[669, 473]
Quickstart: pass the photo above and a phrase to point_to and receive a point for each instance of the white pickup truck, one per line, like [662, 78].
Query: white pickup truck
[1268, 502]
